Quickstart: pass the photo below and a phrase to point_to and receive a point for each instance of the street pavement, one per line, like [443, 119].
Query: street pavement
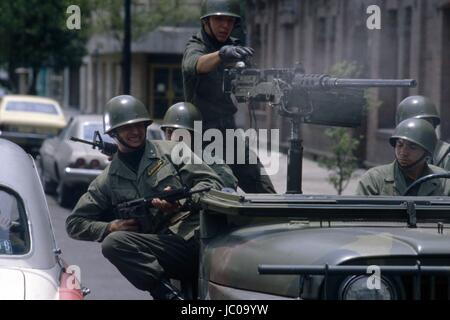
[314, 177]
[97, 273]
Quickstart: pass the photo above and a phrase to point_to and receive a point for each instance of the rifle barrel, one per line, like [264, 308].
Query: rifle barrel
[167, 195]
[82, 141]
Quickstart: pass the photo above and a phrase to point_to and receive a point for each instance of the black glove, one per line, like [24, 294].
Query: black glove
[234, 53]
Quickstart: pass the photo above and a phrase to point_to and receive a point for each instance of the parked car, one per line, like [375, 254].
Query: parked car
[67, 167]
[31, 265]
[28, 120]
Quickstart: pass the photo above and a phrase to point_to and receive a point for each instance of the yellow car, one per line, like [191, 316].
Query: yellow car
[28, 120]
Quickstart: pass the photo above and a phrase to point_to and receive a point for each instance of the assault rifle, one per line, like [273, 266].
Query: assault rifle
[130, 209]
[309, 98]
[106, 148]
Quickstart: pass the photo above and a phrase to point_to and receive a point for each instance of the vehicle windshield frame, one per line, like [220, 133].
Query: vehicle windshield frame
[330, 208]
[22, 226]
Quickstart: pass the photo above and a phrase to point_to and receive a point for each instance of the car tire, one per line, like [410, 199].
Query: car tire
[64, 195]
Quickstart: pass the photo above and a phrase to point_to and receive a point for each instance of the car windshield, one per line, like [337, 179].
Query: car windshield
[90, 127]
[14, 238]
[27, 106]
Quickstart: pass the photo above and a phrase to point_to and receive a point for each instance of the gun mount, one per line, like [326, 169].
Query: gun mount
[309, 98]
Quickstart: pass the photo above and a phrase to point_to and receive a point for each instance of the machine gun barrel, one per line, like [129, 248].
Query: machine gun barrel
[379, 83]
[309, 98]
[322, 81]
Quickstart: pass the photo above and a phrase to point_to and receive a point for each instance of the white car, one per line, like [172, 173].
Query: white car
[28, 120]
[68, 167]
[31, 266]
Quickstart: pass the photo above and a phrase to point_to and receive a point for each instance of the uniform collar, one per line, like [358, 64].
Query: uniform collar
[396, 176]
[119, 168]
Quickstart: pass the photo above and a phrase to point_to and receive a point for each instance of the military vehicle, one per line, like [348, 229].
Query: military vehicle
[296, 246]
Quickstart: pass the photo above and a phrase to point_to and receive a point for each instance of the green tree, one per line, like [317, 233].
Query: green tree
[34, 35]
[145, 15]
[342, 162]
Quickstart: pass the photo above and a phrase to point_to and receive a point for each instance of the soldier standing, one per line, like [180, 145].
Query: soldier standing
[414, 141]
[145, 252]
[206, 56]
[421, 107]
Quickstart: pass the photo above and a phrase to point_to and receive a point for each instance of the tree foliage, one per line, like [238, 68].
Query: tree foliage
[342, 162]
[34, 34]
[145, 15]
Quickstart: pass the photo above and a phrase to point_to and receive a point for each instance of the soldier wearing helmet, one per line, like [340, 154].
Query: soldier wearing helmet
[206, 56]
[160, 244]
[421, 107]
[414, 141]
[183, 116]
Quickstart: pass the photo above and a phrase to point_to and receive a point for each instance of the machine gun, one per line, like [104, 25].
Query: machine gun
[130, 209]
[309, 98]
[106, 148]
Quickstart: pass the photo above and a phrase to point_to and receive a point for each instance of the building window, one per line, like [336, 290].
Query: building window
[319, 44]
[166, 88]
[389, 69]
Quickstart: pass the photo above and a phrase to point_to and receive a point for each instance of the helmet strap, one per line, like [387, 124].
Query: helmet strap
[118, 138]
[211, 32]
[425, 154]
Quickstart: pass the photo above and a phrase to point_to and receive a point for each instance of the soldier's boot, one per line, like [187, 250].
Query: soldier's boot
[166, 291]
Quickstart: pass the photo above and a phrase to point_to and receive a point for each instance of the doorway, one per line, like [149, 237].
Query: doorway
[166, 88]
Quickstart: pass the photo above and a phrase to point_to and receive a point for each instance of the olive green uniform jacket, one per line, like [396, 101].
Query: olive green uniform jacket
[205, 90]
[117, 184]
[225, 174]
[388, 180]
[439, 153]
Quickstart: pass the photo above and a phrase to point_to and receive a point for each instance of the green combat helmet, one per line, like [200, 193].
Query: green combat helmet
[228, 8]
[419, 107]
[123, 110]
[418, 131]
[181, 116]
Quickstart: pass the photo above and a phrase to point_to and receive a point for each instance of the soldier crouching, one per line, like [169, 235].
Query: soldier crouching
[160, 244]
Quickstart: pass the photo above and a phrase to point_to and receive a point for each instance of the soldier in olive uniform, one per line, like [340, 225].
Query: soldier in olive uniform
[206, 56]
[183, 115]
[421, 107]
[160, 244]
[414, 141]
